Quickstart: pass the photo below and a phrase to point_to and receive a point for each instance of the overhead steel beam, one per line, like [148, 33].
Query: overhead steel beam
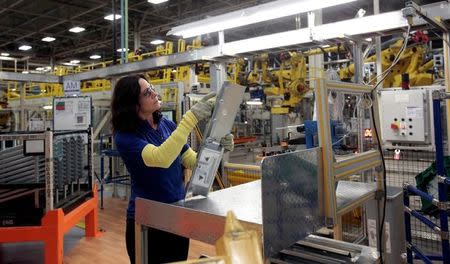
[42, 78]
[205, 54]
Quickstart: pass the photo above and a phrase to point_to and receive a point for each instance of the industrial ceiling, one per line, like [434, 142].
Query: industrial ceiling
[25, 22]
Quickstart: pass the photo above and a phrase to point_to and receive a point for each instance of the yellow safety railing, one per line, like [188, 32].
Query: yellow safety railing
[241, 173]
[160, 76]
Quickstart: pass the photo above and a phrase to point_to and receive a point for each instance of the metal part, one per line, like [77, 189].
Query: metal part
[440, 95]
[210, 155]
[411, 9]
[357, 163]
[204, 54]
[204, 218]
[351, 194]
[291, 202]
[315, 249]
[44, 78]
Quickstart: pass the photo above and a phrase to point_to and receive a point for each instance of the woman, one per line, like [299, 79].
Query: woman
[154, 151]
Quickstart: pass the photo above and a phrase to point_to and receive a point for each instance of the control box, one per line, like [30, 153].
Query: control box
[405, 116]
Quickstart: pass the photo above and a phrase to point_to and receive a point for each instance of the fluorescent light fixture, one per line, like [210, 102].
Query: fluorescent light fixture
[122, 50]
[95, 57]
[156, 42]
[157, 1]
[325, 46]
[24, 47]
[25, 72]
[48, 107]
[74, 61]
[77, 29]
[254, 102]
[350, 27]
[111, 17]
[39, 68]
[252, 15]
[48, 39]
[4, 54]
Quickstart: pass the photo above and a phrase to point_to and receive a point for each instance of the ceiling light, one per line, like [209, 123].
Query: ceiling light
[48, 39]
[25, 72]
[157, 42]
[48, 107]
[254, 102]
[25, 47]
[4, 54]
[264, 12]
[95, 57]
[74, 61]
[77, 29]
[122, 50]
[111, 17]
[157, 1]
[39, 68]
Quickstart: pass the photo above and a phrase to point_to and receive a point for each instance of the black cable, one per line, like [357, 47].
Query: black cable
[380, 149]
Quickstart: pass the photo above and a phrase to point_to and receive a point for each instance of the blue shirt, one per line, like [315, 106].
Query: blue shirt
[154, 183]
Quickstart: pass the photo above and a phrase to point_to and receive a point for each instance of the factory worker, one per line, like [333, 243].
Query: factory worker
[155, 150]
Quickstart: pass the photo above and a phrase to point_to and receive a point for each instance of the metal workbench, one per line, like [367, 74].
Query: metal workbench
[284, 207]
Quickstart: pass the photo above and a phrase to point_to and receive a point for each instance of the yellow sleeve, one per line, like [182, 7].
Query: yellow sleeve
[189, 158]
[164, 155]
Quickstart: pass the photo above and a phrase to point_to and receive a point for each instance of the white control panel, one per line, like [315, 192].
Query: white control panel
[405, 116]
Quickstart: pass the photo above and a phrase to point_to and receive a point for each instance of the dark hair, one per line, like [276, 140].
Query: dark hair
[125, 104]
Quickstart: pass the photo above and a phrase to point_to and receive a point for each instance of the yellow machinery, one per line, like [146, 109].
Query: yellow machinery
[411, 62]
[287, 83]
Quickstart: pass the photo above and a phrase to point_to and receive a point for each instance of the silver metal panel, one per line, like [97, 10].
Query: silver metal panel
[349, 193]
[290, 198]
[31, 77]
[360, 254]
[204, 218]
[359, 162]
[225, 110]
[204, 54]
[227, 105]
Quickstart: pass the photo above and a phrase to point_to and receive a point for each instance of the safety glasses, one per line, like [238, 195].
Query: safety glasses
[150, 92]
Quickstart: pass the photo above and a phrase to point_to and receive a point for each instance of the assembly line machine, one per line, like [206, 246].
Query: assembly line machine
[46, 188]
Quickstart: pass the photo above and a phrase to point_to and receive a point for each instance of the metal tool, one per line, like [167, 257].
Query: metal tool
[210, 154]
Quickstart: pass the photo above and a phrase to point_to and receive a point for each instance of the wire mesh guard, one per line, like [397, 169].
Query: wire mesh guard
[401, 169]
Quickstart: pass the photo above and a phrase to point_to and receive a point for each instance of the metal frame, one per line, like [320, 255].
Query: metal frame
[48, 137]
[333, 171]
[441, 203]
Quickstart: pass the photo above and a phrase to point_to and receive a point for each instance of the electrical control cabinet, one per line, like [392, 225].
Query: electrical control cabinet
[405, 116]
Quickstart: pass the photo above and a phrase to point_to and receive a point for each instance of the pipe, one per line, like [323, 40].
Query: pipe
[114, 33]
